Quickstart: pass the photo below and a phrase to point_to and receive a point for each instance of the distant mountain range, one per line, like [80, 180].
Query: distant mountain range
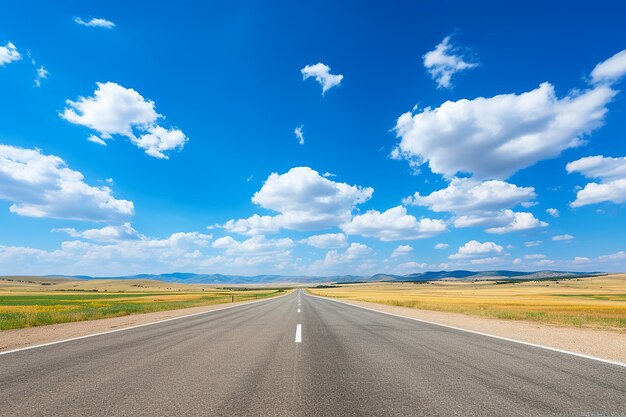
[191, 278]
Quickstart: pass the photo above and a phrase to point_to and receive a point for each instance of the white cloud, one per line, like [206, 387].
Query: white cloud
[401, 250]
[94, 22]
[116, 110]
[610, 171]
[393, 224]
[610, 70]
[535, 256]
[322, 75]
[464, 195]
[486, 261]
[355, 252]
[481, 204]
[553, 212]
[562, 237]
[105, 234]
[96, 140]
[42, 74]
[43, 186]
[8, 54]
[299, 134]
[492, 138]
[581, 260]
[613, 257]
[521, 221]
[545, 262]
[442, 246]
[445, 61]
[179, 250]
[305, 200]
[533, 243]
[256, 245]
[326, 241]
[413, 265]
[476, 249]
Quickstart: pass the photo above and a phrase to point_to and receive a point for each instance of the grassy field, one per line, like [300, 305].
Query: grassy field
[584, 302]
[28, 302]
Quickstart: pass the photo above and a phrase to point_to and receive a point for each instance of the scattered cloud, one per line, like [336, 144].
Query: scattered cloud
[581, 260]
[256, 245]
[105, 234]
[613, 257]
[95, 22]
[445, 61]
[562, 237]
[533, 243]
[612, 175]
[321, 73]
[305, 201]
[466, 196]
[442, 246]
[8, 54]
[553, 212]
[393, 224]
[326, 241]
[42, 185]
[116, 110]
[535, 256]
[402, 250]
[521, 221]
[41, 74]
[476, 249]
[492, 138]
[299, 134]
[355, 252]
[611, 70]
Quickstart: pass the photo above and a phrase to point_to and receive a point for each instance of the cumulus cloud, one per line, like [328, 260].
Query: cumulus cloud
[521, 221]
[533, 243]
[610, 70]
[326, 240]
[299, 134]
[321, 73]
[612, 175]
[581, 260]
[481, 204]
[562, 237]
[476, 249]
[95, 22]
[492, 138]
[464, 195]
[535, 256]
[445, 61]
[179, 250]
[256, 245]
[355, 252]
[305, 201]
[401, 250]
[8, 54]
[116, 110]
[104, 234]
[42, 185]
[442, 246]
[393, 224]
[553, 212]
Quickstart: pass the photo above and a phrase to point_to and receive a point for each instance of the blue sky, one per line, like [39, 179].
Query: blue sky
[153, 139]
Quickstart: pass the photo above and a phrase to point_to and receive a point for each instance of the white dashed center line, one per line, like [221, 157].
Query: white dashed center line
[298, 310]
[299, 333]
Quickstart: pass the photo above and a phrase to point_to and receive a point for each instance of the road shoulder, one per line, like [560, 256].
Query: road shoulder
[598, 343]
[33, 336]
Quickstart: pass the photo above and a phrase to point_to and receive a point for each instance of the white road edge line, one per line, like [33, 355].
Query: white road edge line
[138, 325]
[581, 355]
[299, 333]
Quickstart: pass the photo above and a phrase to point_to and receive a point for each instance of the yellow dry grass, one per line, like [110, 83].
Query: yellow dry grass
[585, 302]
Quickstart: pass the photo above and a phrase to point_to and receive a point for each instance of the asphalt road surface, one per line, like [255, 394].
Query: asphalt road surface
[311, 357]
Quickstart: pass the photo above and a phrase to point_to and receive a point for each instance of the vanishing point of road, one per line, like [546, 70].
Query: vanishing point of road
[299, 355]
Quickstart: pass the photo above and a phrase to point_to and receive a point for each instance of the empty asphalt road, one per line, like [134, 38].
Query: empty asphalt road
[311, 357]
